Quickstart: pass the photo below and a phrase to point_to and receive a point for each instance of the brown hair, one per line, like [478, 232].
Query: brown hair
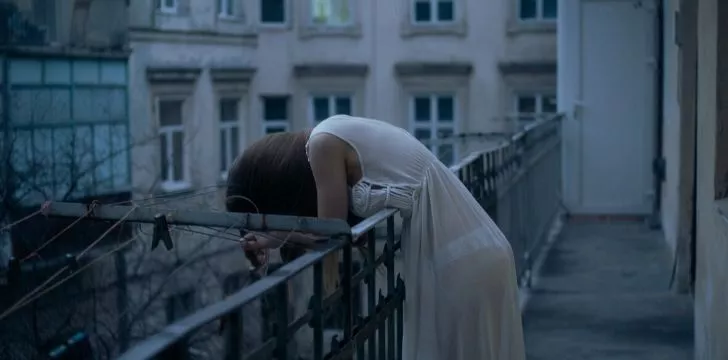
[273, 176]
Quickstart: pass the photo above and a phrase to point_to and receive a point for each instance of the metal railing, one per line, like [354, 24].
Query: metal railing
[517, 182]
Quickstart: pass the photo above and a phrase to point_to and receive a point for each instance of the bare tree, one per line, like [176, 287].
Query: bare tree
[119, 291]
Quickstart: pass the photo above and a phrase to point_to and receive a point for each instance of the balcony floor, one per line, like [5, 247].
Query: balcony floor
[603, 294]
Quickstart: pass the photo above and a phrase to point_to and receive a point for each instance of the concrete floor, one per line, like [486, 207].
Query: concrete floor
[603, 294]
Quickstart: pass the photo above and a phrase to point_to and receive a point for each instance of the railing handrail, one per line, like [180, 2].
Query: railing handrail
[172, 333]
[505, 142]
[158, 342]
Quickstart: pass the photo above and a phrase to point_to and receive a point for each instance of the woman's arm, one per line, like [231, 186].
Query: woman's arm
[327, 155]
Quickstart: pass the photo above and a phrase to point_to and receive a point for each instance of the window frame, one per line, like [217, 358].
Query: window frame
[435, 13]
[434, 124]
[168, 131]
[311, 15]
[163, 8]
[539, 13]
[286, 15]
[274, 123]
[539, 97]
[225, 127]
[224, 4]
[331, 97]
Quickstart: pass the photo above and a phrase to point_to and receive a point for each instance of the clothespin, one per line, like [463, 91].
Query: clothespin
[161, 232]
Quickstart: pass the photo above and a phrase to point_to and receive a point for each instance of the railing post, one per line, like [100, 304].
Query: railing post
[317, 319]
[234, 335]
[389, 263]
[282, 322]
[346, 284]
[372, 288]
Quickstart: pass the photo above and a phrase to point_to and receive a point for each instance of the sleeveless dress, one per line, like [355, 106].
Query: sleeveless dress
[458, 267]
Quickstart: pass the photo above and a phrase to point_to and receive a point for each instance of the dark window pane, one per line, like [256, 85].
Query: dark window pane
[275, 129]
[343, 105]
[177, 155]
[445, 108]
[423, 134]
[445, 11]
[527, 9]
[235, 143]
[549, 104]
[164, 157]
[275, 108]
[423, 11]
[550, 9]
[422, 109]
[272, 11]
[170, 112]
[446, 154]
[526, 104]
[228, 110]
[320, 108]
[223, 151]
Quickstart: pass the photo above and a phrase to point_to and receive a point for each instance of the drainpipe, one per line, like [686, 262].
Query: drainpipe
[658, 163]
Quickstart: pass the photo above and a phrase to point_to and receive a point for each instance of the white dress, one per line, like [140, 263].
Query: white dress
[459, 272]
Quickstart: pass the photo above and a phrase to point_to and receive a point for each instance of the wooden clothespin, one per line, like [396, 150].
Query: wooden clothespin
[161, 232]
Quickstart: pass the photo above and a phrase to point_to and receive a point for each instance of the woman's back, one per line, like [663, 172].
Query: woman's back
[387, 154]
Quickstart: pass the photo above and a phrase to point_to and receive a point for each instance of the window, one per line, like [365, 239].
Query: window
[433, 117]
[324, 106]
[168, 6]
[537, 9]
[433, 11]
[171, 144]
[179, 305]
[229, 133]
[331, 12]
[275, 114]
[226, 8]
[273, 11]
[529, 107]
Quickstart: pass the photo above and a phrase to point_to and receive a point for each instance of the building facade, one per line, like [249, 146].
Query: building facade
[650, 118]
[227, 72]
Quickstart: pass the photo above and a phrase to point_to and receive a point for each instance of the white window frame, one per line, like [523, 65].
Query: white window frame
[539, 104]
[434, 125]
[274, 123]
[312, 13]
[435, 13]
[168, 131]
[164, 8]
[332, 104]
[225, 129]
[224, 4]
[539, 13]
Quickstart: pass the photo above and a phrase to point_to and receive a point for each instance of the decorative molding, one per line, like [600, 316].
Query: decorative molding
[246, 38]
[232, 74]
[330, 70]
[433, 69]
[173, 75]
[545, 67]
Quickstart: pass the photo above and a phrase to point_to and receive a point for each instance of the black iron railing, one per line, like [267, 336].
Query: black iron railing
[517, 181]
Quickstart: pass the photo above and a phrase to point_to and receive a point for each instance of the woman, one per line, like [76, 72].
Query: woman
[459, 271]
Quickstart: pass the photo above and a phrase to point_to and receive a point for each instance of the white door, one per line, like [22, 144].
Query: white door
[616, 103]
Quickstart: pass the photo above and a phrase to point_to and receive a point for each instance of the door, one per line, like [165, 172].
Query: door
[617, 104]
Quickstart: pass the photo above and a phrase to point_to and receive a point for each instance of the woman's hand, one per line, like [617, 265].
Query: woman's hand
[257, 242]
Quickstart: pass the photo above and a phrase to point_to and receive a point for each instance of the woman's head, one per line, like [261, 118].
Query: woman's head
[273, 176]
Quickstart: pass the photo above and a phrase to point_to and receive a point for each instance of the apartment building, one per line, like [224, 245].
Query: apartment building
[210, 77]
